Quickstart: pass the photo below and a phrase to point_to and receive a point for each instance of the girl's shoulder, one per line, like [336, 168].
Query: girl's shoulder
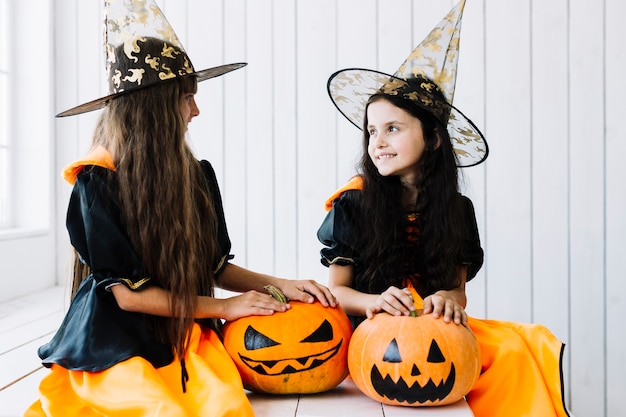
[98, 156]
[354, 184]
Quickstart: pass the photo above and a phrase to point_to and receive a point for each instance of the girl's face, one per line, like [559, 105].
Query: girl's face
[396, 141]
[188, 107]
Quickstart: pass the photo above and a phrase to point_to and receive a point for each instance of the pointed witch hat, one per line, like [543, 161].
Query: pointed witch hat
[142, 50]
[428, 78]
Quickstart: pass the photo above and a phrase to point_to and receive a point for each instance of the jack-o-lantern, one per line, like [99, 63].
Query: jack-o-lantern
[301, 351]
[413, 361]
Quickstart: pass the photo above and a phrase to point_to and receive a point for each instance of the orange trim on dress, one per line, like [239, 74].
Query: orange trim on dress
[355, 183]
[98, 156]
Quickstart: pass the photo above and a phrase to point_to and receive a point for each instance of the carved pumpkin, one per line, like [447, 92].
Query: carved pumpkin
[301, 351]
[413, 361]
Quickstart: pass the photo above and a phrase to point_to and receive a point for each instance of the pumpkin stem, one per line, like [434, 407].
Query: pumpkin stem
[276, 293]
[413, 312]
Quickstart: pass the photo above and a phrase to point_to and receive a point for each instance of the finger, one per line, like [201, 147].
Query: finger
[393, 306]
[450, 312]
[437, 306]
[428, 305]
[266, 301]
[323, 294]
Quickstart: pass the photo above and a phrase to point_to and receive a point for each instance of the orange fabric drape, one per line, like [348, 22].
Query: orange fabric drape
[135, 388]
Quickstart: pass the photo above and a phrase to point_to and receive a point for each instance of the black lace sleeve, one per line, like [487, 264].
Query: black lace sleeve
[472, 254]
[337, 231]
[222, 230]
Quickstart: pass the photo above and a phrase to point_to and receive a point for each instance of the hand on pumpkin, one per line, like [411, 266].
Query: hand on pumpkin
[445, 303]
[307, 291]
[395, 301]
[251, 303]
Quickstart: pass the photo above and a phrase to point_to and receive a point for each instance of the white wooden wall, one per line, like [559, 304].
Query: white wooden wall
[543, 79]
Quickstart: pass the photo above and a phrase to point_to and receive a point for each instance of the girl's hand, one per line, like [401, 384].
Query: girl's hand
[443, 303]
[307, 291]
[395, 301]
[251, 303]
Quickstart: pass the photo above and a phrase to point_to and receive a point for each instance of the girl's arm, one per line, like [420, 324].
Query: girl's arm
[156, 301]
[236, 278]
[394, 300]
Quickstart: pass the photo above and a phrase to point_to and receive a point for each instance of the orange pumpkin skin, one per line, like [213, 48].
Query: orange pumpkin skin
[301, 351]
[413, 361]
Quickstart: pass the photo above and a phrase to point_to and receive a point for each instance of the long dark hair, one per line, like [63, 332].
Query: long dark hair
[389, 256]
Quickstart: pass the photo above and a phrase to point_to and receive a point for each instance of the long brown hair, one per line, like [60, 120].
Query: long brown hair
[164, 197]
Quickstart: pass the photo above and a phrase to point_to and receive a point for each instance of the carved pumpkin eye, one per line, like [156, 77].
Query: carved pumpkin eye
[434, 353]
[392, 353]
[253, 340]
[323, 333]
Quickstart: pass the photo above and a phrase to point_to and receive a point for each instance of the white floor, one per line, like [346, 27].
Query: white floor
[29, 322]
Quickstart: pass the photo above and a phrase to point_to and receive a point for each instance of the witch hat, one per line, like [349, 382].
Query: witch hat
[142, 50]
[429, 69]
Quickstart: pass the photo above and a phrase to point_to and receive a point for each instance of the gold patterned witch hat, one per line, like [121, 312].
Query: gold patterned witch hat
[142, 50]
[427, 77]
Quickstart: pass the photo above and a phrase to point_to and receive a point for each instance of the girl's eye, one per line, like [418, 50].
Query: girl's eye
[393, 129]
[372, 132]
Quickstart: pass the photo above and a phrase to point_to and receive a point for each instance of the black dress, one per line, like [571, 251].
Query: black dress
[340, 233]
[95, 333]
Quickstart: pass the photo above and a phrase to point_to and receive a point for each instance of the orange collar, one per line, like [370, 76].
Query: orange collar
[355, 183]
[98, 156]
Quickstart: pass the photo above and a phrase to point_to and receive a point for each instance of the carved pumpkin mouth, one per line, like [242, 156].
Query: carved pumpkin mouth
[290, 365]
[401, 392]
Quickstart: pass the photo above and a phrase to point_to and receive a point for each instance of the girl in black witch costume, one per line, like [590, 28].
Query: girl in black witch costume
[141, 336]
[400, 236]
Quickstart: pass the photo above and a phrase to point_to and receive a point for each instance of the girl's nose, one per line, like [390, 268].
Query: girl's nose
[379, 141]
[194, 109]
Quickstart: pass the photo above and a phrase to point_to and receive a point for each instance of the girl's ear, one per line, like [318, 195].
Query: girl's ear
[437, 138]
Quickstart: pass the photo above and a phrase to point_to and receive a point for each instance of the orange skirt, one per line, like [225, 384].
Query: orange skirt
[135, 388]
[521, 372]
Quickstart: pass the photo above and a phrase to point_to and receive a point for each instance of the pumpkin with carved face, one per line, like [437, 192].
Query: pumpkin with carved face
[301, 351]
[413, 361]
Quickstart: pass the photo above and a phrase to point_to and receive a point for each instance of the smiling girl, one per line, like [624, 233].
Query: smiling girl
[401, 232]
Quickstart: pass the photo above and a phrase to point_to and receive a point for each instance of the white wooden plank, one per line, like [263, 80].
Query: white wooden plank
[235, 189]
[260, 142]
[458, 409]
[508, 171]
[65, 88]
[16, 399]
[266, 405]
[550, 193]
[315, 129]
[355, 49]
[587, 245]
[550, 167]
[26, 324]
[284, 99]
[344, 401]
[469, 97]
[21, 361]
[32, 307]
[205, 46]
[395, 34]
[23, 334]
[615, 300]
